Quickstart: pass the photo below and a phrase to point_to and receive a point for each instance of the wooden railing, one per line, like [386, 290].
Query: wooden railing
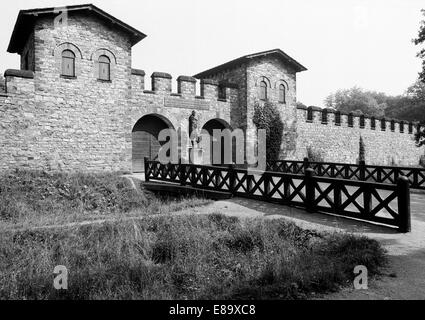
[361, 171]
[376, 202]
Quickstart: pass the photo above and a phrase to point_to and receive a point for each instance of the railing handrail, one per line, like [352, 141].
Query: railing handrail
[346, 164]
[282, 187]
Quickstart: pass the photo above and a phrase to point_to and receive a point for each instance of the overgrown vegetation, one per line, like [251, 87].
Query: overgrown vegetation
[182, 257]
[314, 155]
[35, 198]
[267, 116]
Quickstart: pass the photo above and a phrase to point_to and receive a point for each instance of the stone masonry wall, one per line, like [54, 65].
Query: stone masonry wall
[274, 73]
[340, 143]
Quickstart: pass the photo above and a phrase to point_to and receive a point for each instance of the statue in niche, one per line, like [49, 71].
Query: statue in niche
[193, 128]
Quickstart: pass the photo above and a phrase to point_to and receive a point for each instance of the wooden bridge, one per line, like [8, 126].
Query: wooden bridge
[382, 203]
[361, 171]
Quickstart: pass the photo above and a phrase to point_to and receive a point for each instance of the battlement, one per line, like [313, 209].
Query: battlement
[18, 82]
[332, 117]
[161, 84]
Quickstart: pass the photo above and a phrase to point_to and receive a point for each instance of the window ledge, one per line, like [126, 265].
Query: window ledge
[337, 124]
[324, 122]
[222, 100]
[309, 121]
[68, 77]
[105, 81]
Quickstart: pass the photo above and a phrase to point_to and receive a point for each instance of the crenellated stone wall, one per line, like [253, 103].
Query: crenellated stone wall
[55, 122]
[51, 121]
[339, 142]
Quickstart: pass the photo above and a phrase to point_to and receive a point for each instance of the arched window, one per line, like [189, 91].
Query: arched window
[68, 63]
[263, 90]
[104, 68]
[282, 93]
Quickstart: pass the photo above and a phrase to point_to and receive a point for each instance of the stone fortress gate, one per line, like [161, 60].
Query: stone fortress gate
[76, 103]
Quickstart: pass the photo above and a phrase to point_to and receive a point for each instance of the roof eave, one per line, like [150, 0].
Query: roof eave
[297, 66]
[15, 45]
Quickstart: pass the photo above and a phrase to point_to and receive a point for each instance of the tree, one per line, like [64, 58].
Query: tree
[419, 41]
[267, 116]
[355, 99]
[410, 106]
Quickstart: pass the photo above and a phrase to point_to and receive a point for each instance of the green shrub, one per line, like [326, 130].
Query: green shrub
[267, 116]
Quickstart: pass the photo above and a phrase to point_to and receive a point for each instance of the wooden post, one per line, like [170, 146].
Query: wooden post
[182, 172]
[306, 164]
[267, 184]
[232, 180]
[146, 166]
[309, 189]
[337, 197]
[403, 194]
[362, 167]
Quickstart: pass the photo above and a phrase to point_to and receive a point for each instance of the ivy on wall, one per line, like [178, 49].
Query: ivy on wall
[267, 116]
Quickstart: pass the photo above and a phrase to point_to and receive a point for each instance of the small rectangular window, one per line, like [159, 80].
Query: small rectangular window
[68, 67]
[401, 126]
[372, 123]
[362, 121]
[104, 71]
[410, 127]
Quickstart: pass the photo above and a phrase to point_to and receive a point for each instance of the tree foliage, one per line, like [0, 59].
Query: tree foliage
[409, 107]
[356, 99]
[420, 40]
[267, 116]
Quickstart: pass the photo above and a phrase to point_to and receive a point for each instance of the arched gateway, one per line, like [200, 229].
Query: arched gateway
[145, 138]
[209, 126]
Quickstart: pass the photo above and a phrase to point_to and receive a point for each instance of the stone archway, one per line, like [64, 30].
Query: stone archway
[145, 139]
[209, 126]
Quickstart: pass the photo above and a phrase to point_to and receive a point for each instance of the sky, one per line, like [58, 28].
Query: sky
[341, 43]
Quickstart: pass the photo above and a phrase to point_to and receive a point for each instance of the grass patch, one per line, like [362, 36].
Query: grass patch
[183, 257]
[36, 198]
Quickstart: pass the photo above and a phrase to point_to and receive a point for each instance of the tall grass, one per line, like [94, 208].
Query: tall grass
[36, 198]
[182, 257]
